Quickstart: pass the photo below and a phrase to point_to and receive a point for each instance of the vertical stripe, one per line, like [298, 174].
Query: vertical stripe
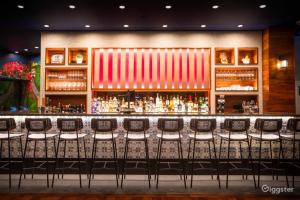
[143, 69]
[150, 68]
[127, 69]
[135, 69]
[93, 69]
[166, 68]
[188, 68]
[158, 68]
[202, 68]
[110, 68]
[180, 68]
[119, 68]
[101, 72]
[195, 68]
[173, 68]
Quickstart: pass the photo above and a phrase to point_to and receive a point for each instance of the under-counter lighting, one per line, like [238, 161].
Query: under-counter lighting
[125, 25]
[46, 26]
[203, 26]
[165, 26]
[240, 26]
[122, 7]
[20, 6]
[72, 6]
[87, 26]
[168, 7]
[263, 6]
[215, 6]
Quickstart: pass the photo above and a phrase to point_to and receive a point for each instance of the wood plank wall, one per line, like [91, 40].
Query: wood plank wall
[278, 84]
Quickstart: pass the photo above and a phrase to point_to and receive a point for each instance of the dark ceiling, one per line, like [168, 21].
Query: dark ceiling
[21, 27]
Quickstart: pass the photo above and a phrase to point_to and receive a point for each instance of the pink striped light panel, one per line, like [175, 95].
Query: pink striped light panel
[156, 68]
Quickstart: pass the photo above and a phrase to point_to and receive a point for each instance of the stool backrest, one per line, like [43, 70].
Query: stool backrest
[170, 124]
[38, 124]
[293, 125]
[7, 124]
[203, 125]
[136, 125]
[238, 125]
[268, 125]
[104, 125]
[69, 125]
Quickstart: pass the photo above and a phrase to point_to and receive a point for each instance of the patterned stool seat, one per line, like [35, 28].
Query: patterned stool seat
[233, 136]
[39, 136]
[71, 136]
[104, 136]
[268, 136]
[202, 137]
[133, 136]
[167, 136]
[11, 135]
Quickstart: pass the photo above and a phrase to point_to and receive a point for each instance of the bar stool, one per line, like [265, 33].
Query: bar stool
[170, 131]
[203, 132]
[268, 130]
[236, 130]
[69, 131]
[136, 131]
[38, 131]
[104, 131]
[293, 127]
[7, 125]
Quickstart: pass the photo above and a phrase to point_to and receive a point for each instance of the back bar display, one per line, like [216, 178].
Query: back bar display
[146, 68]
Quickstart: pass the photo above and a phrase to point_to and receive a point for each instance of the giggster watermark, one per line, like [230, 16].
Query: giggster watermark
[276, 190]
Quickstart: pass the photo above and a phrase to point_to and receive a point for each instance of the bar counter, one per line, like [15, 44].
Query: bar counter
[105, 149]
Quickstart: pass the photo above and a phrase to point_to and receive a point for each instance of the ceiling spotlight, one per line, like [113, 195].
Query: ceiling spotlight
[72, 6]
[263, 6]
[87, 26]
[46, 26]
[16, 52]
[125, 25]
[20, 6]
[168, 7]
[36, 47]
[240, 25]
[165, 25]
[203, 26]
[26, 50]
[215, 6]
[122, 7]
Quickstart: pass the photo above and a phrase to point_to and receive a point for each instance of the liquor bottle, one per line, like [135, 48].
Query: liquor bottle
[195, 105]
[179, 104]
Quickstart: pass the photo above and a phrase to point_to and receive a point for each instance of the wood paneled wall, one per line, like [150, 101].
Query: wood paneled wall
[278, 84]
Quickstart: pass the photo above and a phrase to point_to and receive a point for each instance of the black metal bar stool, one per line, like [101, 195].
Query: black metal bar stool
[236, 130]
[70, 130]
[38, 131]
[268, 130]
[203, 132]
[104, 131]
[293, 135]
[170, 131]
[7, 126]
[136, 130]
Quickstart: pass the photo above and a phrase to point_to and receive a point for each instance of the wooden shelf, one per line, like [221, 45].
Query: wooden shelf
[224, 56]
[78, 56]
[54, 100]
[248, 56]
[55, 56]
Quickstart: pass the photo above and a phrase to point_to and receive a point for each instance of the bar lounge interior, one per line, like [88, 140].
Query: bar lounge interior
[161, 99]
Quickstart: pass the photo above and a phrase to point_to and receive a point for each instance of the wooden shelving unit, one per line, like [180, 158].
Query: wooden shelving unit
[248, 56]
[55, 56]
[78, 56]
[224, 56]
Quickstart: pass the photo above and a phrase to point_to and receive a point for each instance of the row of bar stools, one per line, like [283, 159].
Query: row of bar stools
[7, 125]
[236, 130]
[37, 131]
[104, 131]
[203, 132]
[70, 131]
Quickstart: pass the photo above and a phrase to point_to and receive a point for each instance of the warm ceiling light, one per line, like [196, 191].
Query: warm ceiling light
[20, 6]
[125, 25]
[36, 47]
[16, 52]
[121, 7]
[25, 49]
[165, 25]
[72, 6]
[240, 25]
[87, 26]
[203, 26]
[215, 6]
[168, 7]
[46, 26]
[262, 6]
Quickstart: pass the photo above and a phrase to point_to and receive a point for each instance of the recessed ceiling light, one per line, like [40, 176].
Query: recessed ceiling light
[165, 25]
[25, 49]
[20, 6]
[16, 52]
[72, 6]
[215, 6]
[240, 25]
[125, 25]
[36, 47]
[46, 26]
[203, 26]
[262, 6]
[121, 7]
[87, 26]
[168, 6]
